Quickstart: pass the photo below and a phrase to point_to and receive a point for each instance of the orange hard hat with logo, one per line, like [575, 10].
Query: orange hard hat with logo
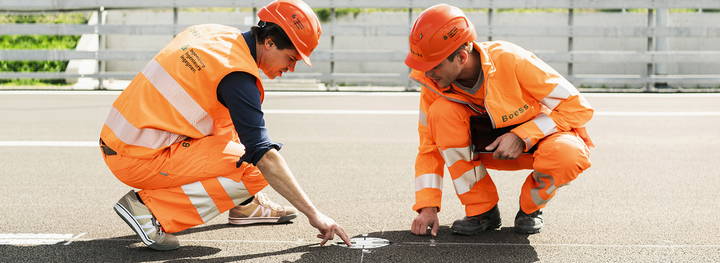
[438, 32]
[298, 21]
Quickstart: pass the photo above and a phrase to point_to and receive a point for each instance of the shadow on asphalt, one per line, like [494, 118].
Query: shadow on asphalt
[503, 245]
[118, 249]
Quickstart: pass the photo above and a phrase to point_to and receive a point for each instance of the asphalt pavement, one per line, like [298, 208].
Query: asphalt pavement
[651, 194]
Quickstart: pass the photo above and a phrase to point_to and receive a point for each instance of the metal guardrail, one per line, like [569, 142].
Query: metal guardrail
[655, 31]
[67, 5]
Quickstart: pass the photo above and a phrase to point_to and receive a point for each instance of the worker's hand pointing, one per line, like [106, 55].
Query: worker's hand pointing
[328, 229]
[507, 147]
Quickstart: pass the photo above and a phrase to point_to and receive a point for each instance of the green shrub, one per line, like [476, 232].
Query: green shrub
[38, 42]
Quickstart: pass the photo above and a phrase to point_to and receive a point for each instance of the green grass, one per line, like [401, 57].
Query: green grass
[47, 42]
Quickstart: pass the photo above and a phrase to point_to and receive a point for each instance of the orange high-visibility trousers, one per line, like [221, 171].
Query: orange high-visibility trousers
[190, 182]
[559, 159]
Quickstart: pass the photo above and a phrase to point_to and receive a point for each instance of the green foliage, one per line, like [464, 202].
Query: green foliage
[58, 18]
[37, 42]
[532, 10]
[324, 13]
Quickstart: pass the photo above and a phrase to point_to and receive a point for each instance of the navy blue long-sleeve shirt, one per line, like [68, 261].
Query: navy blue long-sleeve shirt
[239, 93]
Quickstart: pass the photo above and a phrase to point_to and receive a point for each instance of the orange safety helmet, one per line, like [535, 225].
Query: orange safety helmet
[438, 32]
[298, 21]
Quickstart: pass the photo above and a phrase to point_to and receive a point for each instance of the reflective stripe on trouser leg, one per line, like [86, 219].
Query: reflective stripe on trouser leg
[476, 190]
[559, 159]
[179, 208]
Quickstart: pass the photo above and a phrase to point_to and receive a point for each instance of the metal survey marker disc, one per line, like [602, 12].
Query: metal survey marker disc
[365, 242]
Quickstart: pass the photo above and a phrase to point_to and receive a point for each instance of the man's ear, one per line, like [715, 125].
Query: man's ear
[268, 43]
[463, 56]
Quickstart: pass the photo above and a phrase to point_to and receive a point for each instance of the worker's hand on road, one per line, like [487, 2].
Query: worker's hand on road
[328, 228]
[507, 147]
[427, 218]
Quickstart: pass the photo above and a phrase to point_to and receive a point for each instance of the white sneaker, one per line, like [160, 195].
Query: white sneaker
[139, 218]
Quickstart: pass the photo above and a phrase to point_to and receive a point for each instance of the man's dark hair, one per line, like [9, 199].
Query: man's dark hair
[467, 46]
[265, 30]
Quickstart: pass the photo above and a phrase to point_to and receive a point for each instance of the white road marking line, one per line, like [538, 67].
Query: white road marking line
[74, 238]
[341, 112]
[561, 245]
[358, 93]
[49, 144]
[33, 239]
[434, 243]
[415, 112]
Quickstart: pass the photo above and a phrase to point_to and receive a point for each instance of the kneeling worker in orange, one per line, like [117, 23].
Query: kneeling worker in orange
[465, 82]
[189, 130]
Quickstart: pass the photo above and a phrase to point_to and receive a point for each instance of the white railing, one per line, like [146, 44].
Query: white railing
[655, 31]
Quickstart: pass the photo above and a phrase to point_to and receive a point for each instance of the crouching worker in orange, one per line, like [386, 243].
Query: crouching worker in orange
[495, 87]
[189, 130]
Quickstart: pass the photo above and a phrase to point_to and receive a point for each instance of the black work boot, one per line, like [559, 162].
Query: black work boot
[473, 225]
[528, 224]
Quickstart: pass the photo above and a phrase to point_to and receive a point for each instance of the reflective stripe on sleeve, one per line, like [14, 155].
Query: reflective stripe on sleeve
[563, 89]
[428, 181]
[145, 137]
[178, 97]
[201, 200]
[464, 183]
[545, 124]
[422, 118]
[452, 155]
[236, 190]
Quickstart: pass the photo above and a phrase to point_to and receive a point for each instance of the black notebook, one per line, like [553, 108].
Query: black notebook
[483, 134]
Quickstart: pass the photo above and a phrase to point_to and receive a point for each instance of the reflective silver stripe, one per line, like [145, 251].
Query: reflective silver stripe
[422, 119]
[452, 155]
[201, 200]
[464, 183]
[535, 192]
[146, 137]
[428, 181]
[178, 97]
[563, 89]
[236, 190]
[545, 124]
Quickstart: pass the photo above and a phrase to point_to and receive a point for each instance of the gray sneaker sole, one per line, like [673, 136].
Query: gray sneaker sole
[134, 224]
[261, 220]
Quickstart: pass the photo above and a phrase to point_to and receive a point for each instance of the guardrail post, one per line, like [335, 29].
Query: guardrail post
[491, 11]
[408, 87]
[175, 21]
[101, 46]
[650, 68]
[661, 42]
[332, 85]
[571, 41]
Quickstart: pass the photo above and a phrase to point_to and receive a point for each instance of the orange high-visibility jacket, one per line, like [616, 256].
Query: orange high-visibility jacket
[175, 95]
[517, 88]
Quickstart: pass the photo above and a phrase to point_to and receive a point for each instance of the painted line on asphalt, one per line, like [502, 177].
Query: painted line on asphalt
[74, 238]
[415, 112]
[358, 93]
[433, 244]
[33, 238]
[49, 144]
[50, 239]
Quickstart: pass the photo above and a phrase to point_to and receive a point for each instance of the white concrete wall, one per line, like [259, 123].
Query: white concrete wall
[399, 43]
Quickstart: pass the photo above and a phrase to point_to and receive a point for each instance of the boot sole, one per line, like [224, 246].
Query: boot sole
[475, 232]
[261, 220]
[528, 230]
[134, 224]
